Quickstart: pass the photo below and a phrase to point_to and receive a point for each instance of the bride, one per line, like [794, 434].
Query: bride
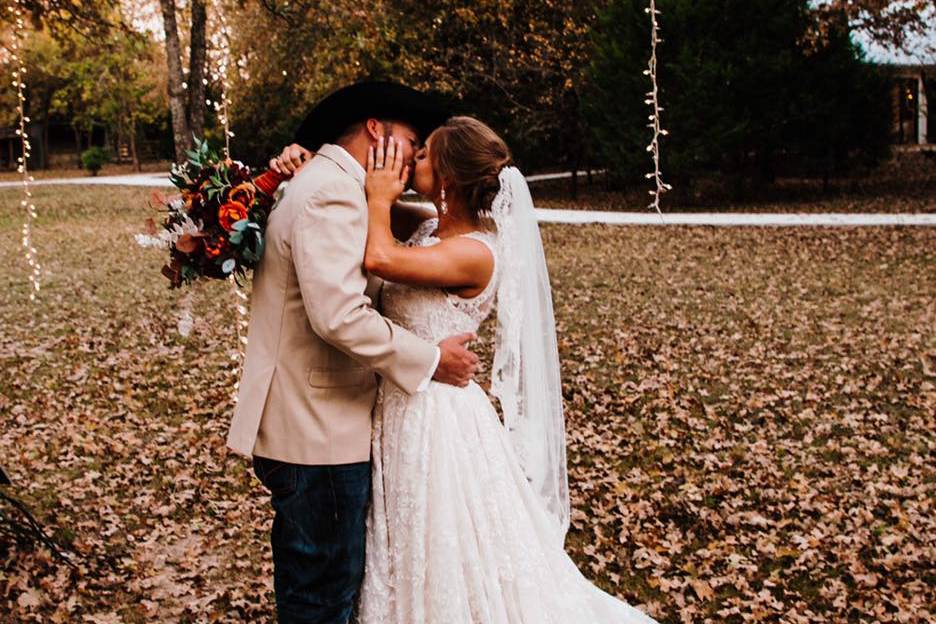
[469, 513]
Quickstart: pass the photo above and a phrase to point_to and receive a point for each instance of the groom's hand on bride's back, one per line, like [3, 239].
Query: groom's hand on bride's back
[290, 159]
[457, 365]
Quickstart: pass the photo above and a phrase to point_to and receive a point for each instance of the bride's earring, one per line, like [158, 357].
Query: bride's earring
[443, 207]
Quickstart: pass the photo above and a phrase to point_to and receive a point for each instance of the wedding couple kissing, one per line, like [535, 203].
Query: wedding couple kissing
[400, 495]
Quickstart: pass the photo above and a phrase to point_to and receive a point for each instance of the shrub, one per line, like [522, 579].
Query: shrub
[93, 159]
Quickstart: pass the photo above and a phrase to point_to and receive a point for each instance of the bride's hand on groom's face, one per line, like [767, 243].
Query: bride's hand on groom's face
[292, 157]
[386, 173]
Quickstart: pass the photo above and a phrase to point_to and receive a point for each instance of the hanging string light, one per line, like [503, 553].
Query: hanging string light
[220, 56]
[18, 46]
[238, 355]
[654, 102]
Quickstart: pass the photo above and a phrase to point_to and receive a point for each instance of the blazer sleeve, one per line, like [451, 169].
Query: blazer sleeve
[327, 244]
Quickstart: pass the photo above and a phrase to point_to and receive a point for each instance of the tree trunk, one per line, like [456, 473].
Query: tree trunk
[133, 148]
[44, 138]
[44, 157]
[181, 132]
[197, 54]
[576, 164]
[77, 144]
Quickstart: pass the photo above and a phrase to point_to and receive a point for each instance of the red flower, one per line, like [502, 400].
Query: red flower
[215, 247]
[230, 213]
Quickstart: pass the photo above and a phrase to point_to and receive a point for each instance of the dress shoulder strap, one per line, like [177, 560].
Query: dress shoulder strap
[486, 295]
[484, 237]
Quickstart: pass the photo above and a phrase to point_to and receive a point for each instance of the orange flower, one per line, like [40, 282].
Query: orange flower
[243, 193]
[214, 248]
[230, 213]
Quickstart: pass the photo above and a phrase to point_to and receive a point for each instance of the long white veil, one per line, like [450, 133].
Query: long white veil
[525, 376]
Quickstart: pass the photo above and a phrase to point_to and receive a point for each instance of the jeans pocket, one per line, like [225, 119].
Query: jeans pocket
[276, 476]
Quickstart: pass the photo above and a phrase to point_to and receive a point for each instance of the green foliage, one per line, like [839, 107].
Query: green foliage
[201, 161]
[519, 65]
[94, 158]
[113, 79]
[742, 95]
[307, 53]
[843, 115]
[746, 88]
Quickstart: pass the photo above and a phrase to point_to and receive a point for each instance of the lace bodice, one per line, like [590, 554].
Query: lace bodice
[433, 313]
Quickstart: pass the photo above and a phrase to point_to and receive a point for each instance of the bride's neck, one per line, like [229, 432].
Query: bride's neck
[455, 223]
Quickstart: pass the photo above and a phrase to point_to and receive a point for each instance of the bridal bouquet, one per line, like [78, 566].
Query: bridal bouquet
[215, 228]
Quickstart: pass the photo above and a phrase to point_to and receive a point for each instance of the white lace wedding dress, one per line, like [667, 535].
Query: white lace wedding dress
[455, 532]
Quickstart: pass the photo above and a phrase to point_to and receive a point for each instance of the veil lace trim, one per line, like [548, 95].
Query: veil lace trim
[525, 374]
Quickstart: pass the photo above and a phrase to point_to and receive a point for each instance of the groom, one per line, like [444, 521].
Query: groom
[316, 346]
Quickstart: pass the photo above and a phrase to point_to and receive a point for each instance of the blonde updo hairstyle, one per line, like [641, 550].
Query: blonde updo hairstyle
[468, 155]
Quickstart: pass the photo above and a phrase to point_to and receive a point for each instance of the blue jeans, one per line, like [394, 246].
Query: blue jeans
[318, 538]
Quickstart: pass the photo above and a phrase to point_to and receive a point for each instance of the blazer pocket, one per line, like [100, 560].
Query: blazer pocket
[339, 377]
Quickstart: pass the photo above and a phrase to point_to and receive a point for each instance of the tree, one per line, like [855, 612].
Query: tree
[308, 50]
[85, 63]
[742, 95]
[887, 22]
[46, 66]
[842, 118]
[188, 110]
[128, 94]
[518, 64]
[87, 18]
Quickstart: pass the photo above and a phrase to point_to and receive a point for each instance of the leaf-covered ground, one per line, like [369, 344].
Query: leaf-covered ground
[905, 184]
[751, 422]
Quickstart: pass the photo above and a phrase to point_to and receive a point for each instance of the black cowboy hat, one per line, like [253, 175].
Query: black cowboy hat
[366, 100]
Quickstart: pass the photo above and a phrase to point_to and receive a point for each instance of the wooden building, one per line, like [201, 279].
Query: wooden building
[913, 126]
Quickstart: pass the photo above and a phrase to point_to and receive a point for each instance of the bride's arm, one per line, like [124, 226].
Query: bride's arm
[458, 263]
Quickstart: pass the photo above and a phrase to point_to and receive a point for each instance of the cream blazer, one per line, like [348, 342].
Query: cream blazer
[315, 343]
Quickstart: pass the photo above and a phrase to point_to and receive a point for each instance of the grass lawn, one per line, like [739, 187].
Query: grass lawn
[109, 169]
[751, 417]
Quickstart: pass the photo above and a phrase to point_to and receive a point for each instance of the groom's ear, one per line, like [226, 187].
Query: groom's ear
[374, 129]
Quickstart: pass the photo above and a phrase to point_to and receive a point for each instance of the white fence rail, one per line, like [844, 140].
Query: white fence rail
[546, 215]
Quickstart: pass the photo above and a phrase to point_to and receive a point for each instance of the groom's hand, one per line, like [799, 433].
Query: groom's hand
[457, 365]
[289, 161]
